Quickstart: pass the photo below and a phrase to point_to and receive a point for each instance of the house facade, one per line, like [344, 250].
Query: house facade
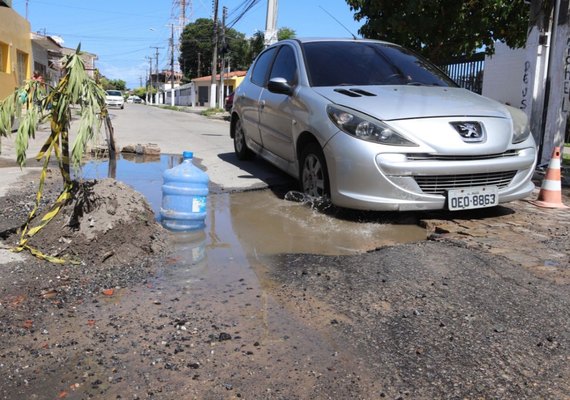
[15, 49]
[202, 86]
[48, 55]
[23, 53]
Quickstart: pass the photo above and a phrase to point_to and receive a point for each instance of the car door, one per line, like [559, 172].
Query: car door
[276, 110]
[248, 96]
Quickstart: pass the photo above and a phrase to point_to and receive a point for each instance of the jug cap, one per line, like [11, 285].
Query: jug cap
[187, 154]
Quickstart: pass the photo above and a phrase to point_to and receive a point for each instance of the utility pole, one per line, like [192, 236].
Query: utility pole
[179, 22]
[223, 54]
[157, 74]
[271, 23]
[198, 73]
[182, 19]
[149, 96]
[214, 57]
[172, 65]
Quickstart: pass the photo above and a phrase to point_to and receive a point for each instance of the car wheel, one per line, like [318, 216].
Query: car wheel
[240, 147]
[314, 175]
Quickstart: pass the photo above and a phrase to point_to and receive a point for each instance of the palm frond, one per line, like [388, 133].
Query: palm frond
[31, 104]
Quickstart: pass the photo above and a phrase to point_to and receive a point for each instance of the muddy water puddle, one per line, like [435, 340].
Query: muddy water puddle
[243, 229]
[256, 223]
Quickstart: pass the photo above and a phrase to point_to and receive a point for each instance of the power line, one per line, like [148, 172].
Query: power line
[250, 4]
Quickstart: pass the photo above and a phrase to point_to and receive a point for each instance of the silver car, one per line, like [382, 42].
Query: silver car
[376, 127]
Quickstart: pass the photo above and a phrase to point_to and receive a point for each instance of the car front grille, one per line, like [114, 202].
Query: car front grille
[438, 157]
[439, 184]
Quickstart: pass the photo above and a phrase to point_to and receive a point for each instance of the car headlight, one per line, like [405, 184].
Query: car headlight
[521, 126]
[364, 127]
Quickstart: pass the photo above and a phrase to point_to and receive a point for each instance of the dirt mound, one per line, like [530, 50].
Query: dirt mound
[106, 222]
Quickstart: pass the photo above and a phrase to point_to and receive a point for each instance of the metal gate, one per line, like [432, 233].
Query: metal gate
[467, 72]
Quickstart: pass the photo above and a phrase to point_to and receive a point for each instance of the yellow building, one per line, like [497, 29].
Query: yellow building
[15, 49]
[202, 86]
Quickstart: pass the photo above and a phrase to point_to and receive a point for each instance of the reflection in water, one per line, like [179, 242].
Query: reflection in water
[188, 262]
[142, 172]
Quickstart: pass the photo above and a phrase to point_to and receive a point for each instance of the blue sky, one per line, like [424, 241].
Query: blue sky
[123, 33]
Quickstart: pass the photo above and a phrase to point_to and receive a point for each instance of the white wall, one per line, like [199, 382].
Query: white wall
[504, 73]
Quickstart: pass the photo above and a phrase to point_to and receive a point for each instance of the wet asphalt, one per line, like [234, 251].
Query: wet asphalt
[479, 309]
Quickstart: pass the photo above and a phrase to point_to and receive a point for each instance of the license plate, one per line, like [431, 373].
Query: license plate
[473, 197]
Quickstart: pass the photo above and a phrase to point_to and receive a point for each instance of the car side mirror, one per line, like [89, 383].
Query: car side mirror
[279, 85]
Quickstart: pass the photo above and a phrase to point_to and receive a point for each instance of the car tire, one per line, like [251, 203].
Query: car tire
[242, 151]
[313, 172]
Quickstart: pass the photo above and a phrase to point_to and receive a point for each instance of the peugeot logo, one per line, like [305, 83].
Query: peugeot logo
[470, 131]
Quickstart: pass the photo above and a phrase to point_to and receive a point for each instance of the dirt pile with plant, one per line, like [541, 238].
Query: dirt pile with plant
[105, 223]
[106, 229]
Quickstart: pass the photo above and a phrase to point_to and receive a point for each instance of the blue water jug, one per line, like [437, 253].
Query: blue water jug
[184, 196]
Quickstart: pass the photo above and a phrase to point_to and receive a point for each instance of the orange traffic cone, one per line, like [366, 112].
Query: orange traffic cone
[550, 194]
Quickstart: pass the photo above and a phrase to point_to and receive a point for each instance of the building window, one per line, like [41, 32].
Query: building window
[40, 68]
[4, 57]
[22, 67]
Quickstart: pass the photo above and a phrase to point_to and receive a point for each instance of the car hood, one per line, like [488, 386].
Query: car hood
[404, 102]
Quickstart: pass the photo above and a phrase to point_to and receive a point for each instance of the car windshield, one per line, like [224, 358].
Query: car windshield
[349, 63]
[114, 93]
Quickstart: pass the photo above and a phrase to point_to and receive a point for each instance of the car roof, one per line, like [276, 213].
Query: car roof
[324, 39]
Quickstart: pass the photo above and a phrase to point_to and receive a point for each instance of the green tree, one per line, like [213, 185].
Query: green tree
[442, 29]
[140, 91]
[257, 41]
[256, 45]
[118, 84]
[196, 47]
[236, 50]
[112, 84]
[286, 33]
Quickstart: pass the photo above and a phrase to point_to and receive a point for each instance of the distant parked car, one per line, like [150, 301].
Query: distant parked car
[134, 99]
[374, 126]
[229, 102]
[114, 98]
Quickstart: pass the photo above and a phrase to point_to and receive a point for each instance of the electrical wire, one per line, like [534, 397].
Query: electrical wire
[250, 4]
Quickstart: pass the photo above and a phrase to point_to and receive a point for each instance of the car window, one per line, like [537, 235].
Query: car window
[366, 63]
[285, 65]
[261, 67]
[114, 93]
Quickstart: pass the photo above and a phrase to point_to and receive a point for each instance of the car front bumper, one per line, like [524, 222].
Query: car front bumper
[369, 176]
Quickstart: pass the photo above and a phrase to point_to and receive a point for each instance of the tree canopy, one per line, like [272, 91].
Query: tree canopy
[443, 29]
[196, 46]
[114, 84]
[257, 41]
[286, 33]
[256, 44]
